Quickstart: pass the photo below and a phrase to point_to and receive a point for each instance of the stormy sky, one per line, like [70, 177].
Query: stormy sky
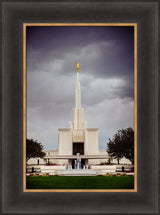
[106, 58]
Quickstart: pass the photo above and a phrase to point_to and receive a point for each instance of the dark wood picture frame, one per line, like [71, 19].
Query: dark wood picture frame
[145, 14]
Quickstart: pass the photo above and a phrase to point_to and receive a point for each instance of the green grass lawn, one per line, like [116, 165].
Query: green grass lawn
[80, 182]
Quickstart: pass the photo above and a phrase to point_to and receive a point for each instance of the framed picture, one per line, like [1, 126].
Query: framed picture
[20, 20]
[89, 44]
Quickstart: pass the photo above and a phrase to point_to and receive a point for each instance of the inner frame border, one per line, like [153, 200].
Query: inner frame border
[25, 106]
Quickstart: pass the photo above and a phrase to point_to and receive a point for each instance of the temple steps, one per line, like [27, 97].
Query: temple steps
[76, 172]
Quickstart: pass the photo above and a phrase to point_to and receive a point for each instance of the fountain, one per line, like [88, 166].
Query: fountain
[77, 164]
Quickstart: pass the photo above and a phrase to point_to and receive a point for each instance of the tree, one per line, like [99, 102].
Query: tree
[33, 149]
[122, 145]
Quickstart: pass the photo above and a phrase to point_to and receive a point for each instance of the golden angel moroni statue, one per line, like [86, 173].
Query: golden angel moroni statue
[77, 66]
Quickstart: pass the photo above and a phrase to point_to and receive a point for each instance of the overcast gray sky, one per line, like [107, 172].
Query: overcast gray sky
[106, 57]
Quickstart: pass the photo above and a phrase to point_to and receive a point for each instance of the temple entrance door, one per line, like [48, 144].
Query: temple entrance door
[82, 163]
[78, 148]
[73, 163]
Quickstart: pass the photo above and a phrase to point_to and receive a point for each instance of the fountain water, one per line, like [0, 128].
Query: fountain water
[78, 162]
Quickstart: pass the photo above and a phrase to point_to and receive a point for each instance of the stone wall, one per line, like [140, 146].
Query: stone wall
[65, 142]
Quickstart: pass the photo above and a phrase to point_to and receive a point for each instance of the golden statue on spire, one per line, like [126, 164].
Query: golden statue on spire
[77, 66]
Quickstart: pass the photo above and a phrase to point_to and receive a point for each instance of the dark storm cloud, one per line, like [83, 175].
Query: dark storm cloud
[54, 43]
[105, 55]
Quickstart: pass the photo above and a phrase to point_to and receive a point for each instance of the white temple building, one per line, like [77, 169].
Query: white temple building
[77, 140]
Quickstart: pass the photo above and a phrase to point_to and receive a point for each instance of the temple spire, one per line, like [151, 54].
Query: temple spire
[78, 90]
